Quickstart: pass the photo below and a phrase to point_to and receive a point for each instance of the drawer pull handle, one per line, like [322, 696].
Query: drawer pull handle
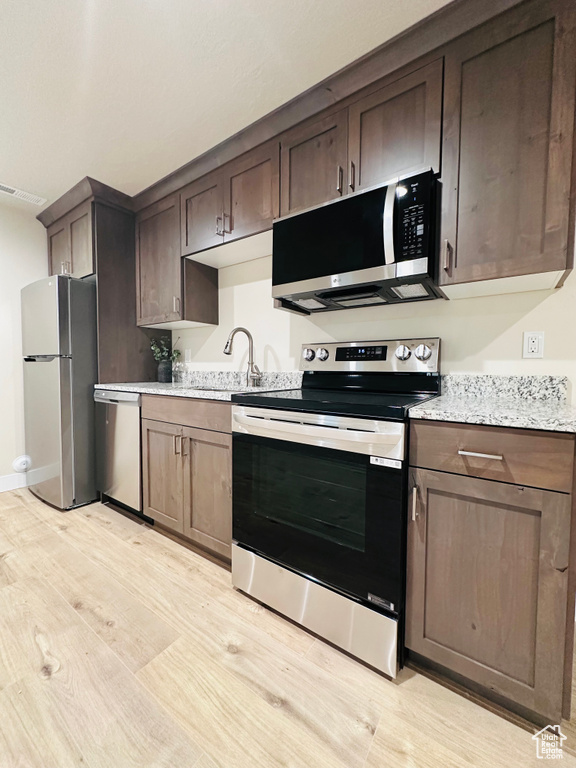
[414, 503]
[494, 456]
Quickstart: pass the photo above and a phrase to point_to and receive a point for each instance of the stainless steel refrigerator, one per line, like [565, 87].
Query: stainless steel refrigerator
[60, 370]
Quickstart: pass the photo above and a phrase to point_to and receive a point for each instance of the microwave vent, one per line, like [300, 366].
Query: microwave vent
[410, 291]
[28, 197]
[362, 301]
[309, 304]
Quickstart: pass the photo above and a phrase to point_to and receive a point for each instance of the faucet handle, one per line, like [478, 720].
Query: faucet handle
[254, 374]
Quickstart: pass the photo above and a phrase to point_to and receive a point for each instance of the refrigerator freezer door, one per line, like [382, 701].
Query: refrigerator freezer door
[48, 429]
[45, 317]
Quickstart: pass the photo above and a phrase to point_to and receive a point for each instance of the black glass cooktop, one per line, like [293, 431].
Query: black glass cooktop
[343, 402]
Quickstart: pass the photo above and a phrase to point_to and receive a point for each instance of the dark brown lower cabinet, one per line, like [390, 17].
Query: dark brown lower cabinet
[162, 473]
[208, 489]
[187, 482]
[488, 584]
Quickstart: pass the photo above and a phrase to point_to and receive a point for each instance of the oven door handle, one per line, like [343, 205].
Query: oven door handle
[388, 443]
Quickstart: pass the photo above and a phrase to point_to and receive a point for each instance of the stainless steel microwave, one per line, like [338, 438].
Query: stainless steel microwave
[371, 248]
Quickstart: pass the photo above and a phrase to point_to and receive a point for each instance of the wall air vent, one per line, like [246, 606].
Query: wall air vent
[26, 196]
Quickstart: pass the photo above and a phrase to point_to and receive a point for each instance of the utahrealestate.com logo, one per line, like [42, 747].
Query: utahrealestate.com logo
[549, 743]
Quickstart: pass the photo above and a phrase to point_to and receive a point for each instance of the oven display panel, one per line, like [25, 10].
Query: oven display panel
[361, 353]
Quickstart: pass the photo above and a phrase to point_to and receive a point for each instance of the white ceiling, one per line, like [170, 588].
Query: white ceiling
[126, 91]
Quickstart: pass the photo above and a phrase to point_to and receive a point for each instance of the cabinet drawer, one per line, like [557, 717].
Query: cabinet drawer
[204, 414]
[537, 459]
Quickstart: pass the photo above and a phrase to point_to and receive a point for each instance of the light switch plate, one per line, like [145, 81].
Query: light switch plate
[533, 344]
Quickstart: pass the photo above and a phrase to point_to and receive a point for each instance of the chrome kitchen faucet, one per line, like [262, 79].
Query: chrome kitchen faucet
[253, 374]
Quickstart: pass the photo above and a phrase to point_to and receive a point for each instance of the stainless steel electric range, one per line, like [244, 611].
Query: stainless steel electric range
[320, 492]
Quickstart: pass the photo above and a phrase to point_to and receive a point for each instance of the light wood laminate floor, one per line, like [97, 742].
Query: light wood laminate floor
[121, 648]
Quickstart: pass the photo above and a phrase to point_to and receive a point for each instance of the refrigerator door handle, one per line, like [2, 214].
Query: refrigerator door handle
[40, 359]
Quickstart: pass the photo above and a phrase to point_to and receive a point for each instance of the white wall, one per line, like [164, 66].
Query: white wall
[22, 260]
[482, 335]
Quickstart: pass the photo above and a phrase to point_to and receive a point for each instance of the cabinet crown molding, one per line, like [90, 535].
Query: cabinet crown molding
[85, 189]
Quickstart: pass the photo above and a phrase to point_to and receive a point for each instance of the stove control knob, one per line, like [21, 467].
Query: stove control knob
[402, 352]
[308, 354]
[322, 354]
[422, 352]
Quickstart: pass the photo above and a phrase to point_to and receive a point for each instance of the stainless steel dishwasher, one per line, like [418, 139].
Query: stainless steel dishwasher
[118, 463]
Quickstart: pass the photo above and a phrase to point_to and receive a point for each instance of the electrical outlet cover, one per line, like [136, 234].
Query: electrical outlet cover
[533, 344]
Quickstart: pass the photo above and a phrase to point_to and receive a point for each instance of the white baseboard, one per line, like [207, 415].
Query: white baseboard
[11, 482]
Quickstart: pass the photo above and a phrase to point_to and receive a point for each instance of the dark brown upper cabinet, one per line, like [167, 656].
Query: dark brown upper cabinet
[90, 230]
[251, 192]
[314, 158]
[388, 132]
[158, 267]
[508, 136]
[397, 129]
[171, 292]
[238, 200]
[70, 247]
[202, 214]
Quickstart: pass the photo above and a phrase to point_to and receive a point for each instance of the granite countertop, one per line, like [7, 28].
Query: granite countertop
[175, 390]
[525, 414]
[225, 385]
[525, 402]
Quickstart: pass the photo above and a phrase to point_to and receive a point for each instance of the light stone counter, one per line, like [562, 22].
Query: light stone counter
[526, 402]
[232, 381]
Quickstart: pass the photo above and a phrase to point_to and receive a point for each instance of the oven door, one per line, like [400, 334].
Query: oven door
[325, 497]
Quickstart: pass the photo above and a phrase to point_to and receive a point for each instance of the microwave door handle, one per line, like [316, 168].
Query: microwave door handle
[388, 224]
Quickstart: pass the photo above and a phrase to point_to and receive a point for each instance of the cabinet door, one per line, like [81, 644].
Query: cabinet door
[201, 214]
[252, 190]
[487, 584]
[208, 489]
[70, 242]
[81, 246]
[162, 473]
[58, 247]
[158, 264]
[313, 163]
[508, 133]
[396, 130]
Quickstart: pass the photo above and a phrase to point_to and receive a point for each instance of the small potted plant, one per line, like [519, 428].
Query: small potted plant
[164, 356]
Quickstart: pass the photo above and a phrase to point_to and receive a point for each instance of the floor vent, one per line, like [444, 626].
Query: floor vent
[26, 196]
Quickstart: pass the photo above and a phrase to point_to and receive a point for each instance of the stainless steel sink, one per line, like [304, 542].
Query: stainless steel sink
[215, 389]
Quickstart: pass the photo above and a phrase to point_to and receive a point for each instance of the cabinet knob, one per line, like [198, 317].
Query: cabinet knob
[176, 304]
[219, 231]
[352, 176]
[339, 175]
